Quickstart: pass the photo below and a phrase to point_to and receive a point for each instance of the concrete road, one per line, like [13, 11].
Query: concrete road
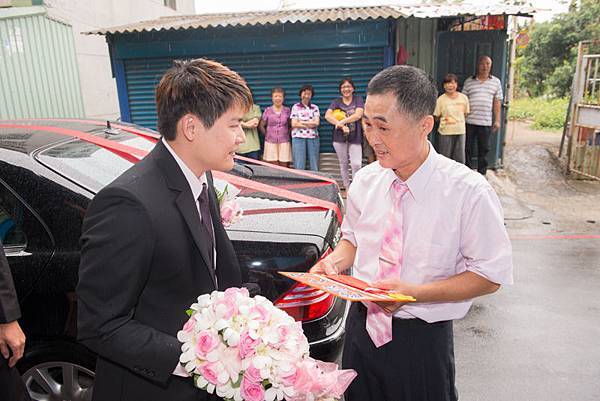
[539, 339]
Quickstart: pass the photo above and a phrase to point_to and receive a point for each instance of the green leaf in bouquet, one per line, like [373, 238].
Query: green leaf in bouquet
[238, 382]
[222, 195]
[189, 312]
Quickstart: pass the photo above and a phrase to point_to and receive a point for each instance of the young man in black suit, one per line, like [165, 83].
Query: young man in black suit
[12, 339]
[153, 240]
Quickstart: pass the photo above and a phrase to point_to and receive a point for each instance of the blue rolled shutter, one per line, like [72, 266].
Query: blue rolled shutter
[289, 69]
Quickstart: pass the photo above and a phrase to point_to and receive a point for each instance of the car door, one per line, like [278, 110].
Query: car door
[28, 247]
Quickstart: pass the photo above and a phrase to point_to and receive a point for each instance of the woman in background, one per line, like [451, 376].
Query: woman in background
[275, 126]
[305, 136]
[345, 114]
[451, 109]
[249, 123]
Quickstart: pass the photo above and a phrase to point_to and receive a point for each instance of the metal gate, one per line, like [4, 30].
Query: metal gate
[321, 68]
[457, 52]
[584, 129]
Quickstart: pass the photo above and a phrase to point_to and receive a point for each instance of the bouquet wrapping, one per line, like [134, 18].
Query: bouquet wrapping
[246, 349]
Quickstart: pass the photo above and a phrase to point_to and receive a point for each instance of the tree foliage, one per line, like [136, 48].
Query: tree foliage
[548, 62]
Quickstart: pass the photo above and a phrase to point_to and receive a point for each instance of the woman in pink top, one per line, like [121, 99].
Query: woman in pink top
[275, 126]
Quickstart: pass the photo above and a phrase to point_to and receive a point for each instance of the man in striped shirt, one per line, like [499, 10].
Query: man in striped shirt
[485, 97]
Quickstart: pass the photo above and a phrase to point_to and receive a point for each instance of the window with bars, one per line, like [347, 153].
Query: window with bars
[171, 4]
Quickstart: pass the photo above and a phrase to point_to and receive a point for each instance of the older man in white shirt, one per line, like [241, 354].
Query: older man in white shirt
[420, 224]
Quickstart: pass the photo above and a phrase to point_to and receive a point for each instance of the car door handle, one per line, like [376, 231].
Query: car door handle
[16, 252]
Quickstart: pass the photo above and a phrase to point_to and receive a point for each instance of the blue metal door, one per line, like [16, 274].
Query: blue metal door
[457, 53]
[321, 68]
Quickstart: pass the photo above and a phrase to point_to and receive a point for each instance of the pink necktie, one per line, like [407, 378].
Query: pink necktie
[379, 323]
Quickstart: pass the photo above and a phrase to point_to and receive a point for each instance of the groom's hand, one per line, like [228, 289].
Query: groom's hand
[395, 286]
[324, 266]
[11, 337]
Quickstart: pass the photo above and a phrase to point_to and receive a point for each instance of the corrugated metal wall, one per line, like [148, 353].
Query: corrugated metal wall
[320, 68]
[417, 36]
[38, 69]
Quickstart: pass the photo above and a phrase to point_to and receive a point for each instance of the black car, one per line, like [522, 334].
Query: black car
[49, 172]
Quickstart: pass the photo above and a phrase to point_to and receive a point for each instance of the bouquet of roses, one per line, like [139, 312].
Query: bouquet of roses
[245, 348]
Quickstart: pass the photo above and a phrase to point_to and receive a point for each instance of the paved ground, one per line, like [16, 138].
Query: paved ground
[538, 340]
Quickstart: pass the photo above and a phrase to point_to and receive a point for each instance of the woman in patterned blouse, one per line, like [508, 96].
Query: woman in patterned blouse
[305, 136]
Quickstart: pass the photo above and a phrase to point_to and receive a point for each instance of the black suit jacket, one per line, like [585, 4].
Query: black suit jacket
[143, 264]
[9, 305]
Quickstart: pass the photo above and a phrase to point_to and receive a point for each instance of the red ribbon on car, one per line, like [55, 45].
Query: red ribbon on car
[129, 153]
[134, 155]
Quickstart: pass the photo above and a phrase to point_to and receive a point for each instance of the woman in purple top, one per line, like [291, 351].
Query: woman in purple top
[275, 126]
[345, 113]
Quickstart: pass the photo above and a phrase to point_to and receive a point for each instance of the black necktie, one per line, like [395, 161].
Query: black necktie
[207, 221]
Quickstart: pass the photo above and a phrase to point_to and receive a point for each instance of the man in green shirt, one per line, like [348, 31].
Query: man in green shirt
[250, 121]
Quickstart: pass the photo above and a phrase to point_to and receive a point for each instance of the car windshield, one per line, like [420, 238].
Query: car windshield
[90, 165]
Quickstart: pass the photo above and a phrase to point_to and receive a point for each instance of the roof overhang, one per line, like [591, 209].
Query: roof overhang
[201, 21]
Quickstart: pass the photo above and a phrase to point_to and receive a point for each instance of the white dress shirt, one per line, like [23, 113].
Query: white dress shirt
[452, 222]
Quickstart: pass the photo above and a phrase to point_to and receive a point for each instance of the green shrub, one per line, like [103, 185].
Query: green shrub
[548, 114]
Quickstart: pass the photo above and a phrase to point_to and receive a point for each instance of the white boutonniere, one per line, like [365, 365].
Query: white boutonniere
[231, 212]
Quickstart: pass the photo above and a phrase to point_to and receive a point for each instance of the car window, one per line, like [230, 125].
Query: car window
[90, 165]
[12, 215]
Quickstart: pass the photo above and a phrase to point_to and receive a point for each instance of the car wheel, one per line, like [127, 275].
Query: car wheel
[57, 372]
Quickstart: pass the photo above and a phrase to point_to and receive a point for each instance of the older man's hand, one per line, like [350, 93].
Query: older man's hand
[11, 337]
[395, 286]
[325, 266]
[496, 126]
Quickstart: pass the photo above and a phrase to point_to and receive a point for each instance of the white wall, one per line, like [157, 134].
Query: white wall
[98, 87]
[235, 6]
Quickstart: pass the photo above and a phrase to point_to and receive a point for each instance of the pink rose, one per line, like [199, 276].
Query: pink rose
[230, 212]
[226, 307]
[208, 371]
[252, 391]
[189, 325]
[207, 341]
[260, 313]
[233, 291]
[252, 374]
[247, 344]
[284, 333]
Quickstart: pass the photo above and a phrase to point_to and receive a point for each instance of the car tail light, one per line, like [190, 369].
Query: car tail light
[305, 303]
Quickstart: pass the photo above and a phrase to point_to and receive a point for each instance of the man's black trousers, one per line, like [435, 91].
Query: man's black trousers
[477, 136]
[417, 365]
